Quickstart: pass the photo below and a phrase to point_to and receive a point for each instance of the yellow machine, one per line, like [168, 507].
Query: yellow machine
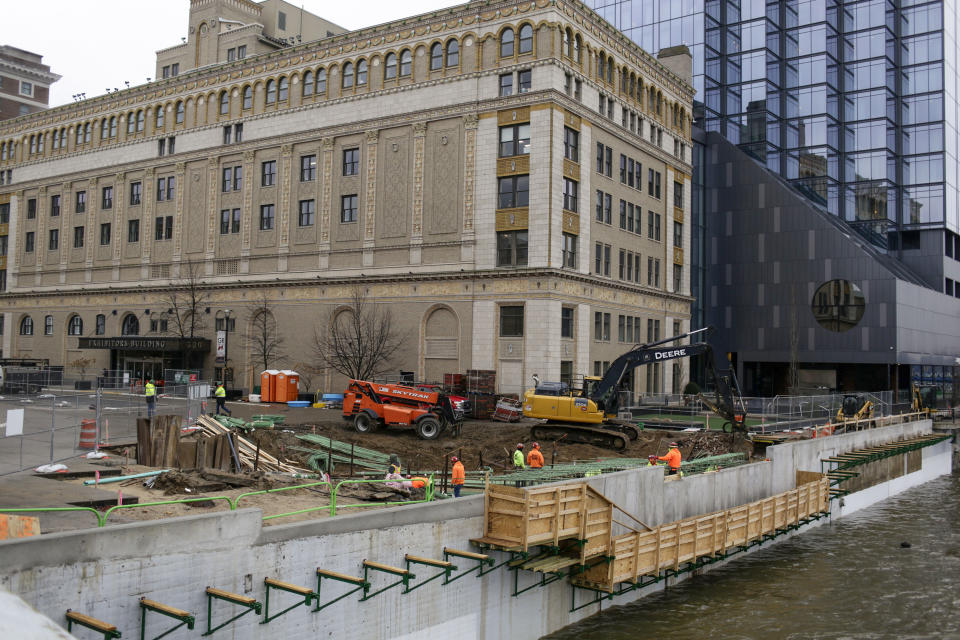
[854, 408]
[924, 399]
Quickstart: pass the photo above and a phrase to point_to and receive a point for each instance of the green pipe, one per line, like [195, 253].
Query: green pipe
[156, 504]
[122, 478]
[100, 518]
[236, 500]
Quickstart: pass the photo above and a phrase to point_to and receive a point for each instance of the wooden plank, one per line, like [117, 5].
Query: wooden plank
[466, 554]
[233, 597]
[429, 561]
[384, 567]
[90, 622]
[339, 576]
[304, 591]
[173, 611]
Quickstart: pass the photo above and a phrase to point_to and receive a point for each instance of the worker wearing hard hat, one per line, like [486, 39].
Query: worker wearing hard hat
[518, 457]
[673, 459]
[652, 460]
[458, 477]
[535, 458]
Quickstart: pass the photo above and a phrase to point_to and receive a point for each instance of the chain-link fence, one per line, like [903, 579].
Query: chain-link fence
[44, 424]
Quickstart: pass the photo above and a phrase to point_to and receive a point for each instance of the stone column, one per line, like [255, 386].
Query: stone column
[119, 209]
[40, 241]
[370, 200]
[416, 228]
[147, 230]
[179, 218]
[213, 167]
[283, 222]
[468, 236]
[326, 193]
[93, 220]
[246, 226]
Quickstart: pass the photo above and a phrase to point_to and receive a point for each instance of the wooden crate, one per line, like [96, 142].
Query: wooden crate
[523, 518]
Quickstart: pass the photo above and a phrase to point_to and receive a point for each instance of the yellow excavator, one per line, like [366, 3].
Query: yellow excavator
[854, 407]
[924, 400]
[589, 415]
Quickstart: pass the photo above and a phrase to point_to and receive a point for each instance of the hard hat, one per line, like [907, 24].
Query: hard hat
[652, 456]
[674, 444]
[536, 445]
[520, 446]
[454, 459]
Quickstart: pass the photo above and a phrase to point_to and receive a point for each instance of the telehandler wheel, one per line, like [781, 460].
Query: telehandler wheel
[727, 427]
[428, 428]
[363, 423]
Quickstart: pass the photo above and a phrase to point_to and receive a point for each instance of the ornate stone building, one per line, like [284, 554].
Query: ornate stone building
[510, 179]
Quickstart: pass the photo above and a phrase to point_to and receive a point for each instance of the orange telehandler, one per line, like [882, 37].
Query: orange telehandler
[371, 405]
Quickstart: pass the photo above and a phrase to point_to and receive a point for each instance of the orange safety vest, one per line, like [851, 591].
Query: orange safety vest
[418, 483]
[459, 473]
[672, 458]
[535, 459]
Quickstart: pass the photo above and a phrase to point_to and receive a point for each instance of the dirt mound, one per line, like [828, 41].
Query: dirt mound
[196, 482]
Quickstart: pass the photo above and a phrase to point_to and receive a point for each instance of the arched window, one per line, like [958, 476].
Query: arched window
[653, 99]
[104, 129]
[131, 120]
[33, 144]
[577, 48]
[86, 132]
[390, 67]
[224, 103]
[321, 81]
[48, 325]
[406, 63]
[610, 70]
[566, 47]
[308, 83]
[248, 97]
[100, 327]
[526, 39]
[159, 117]
[506, 43]
[436, 56]
[113, 126]
[130, 326]
[659, 103]
[271, 91]
[347, 75]
[26, 326]
[361, 73]
[179, 110]
[141, 119]
[284, 87]
[75, 326]
[453, 53]
[601, 65]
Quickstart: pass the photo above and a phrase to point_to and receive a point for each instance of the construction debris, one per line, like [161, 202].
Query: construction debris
[174, 482]
[323, 458]
[246, 455]
[508, 410]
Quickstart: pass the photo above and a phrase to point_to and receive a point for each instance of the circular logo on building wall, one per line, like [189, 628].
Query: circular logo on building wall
[838, 305]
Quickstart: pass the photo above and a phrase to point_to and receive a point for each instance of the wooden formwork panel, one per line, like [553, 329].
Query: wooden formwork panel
[505, 514]
[736, 523]
[598, 525]
[555, 514]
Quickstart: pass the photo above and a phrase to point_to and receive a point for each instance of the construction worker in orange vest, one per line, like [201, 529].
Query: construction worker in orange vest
[535, 458]
[459, 476]
[673, 459]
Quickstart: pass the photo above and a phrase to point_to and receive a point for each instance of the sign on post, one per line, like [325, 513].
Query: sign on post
[14, 422]
[221, 346]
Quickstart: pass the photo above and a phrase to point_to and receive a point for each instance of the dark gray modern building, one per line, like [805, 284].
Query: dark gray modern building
[851, 106]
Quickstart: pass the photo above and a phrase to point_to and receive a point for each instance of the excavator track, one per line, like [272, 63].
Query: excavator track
[586, 435]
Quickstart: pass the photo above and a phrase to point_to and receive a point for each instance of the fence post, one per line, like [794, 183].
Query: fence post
[96, 444]
[53, 423]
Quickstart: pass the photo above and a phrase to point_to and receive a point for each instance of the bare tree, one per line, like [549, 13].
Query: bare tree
[264, 340]
[184, 303]
[360, 341]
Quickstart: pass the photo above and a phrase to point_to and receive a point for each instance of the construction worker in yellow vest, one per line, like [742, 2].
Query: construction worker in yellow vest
[221, 395]
[150, 394]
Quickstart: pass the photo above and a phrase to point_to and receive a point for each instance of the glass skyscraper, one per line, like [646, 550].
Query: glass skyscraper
[855, 103]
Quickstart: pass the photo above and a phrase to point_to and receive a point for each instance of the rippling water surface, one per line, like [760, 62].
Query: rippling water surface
[849, 579]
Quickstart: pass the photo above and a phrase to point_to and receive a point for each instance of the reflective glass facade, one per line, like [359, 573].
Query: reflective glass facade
[854, 102]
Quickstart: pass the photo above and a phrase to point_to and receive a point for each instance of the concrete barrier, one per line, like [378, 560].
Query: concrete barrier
[103, 572]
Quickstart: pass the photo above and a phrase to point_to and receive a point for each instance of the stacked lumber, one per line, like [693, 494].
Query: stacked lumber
[246, 450]
[158, 441]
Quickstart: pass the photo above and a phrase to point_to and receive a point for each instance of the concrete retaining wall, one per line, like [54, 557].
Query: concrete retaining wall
[103, 572]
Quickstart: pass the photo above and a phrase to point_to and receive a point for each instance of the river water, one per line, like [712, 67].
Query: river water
[849, 579]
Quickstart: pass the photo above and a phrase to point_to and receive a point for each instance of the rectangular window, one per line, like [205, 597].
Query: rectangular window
[677, 278]
[571, 144]
[570, 191]
[161, 146]
[31, 208]
[54, 240]
[569, 256]
[598, 258]
[678, 194]
[175, 69]
[524, 81]
[607, 208]
[226, 182]
[621, 328]
[308, 168]
[163, 228]
[608, 162]
[351, 162]
[656, 190]
[629, 329]
[281, 21]
[106, 201]
[650, 173]
[629, 217]
[512, 248]
[268, 173]
[235, 223]
[26, 88]
[28, 242]
[623, 214]
[161, 189]
[599, 167]
[606, 260]
[599, 206]
[606, 327]
[227, 134]
[622, 267]
[307, 211]
[348, 208]
[224, 221]
[81, 201]
[231, 54]
[623, 169]
[237, 133]
[513, 191]
[78, 237]
[629, 266]
[597, 326]
[54, 206]
[241, 52]
[135, 189]
[511, 322]
[133, 231]
[266, 217]
[656, 274]
[515, 140]
[566, 372]
[678, 234]
[506, 84]
[566, 322]
[104, 234]
[656, 227]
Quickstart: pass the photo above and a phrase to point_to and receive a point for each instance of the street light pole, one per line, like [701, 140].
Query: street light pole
[226, 344]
